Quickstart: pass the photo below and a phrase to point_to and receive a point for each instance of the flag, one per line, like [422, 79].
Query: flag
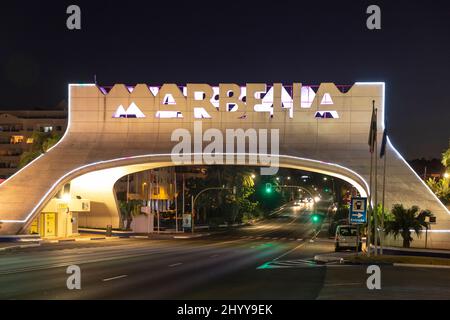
[373, 130]
[383, 144]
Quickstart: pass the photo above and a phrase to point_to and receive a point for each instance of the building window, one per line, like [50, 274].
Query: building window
[30, 140]
[46, 129]
[16, 139]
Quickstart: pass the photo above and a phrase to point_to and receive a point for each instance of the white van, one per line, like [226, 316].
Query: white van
[347, 238]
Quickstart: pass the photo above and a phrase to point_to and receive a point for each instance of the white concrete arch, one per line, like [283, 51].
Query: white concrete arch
[97, 185]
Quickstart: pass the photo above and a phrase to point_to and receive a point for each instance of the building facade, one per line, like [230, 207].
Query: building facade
[16, 130]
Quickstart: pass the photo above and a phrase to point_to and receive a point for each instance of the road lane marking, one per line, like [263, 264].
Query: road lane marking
[343, 284]
[114, 278]
[175, 264]
[287, 252]
[413, 265]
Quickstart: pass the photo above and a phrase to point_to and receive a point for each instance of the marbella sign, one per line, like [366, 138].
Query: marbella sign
[171, 100]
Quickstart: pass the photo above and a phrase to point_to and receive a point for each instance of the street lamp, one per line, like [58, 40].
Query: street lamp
[193, 199]
[66, 197]
[253, 176]
[446, 175]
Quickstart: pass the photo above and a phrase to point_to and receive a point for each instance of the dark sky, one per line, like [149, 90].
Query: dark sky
[237, 41]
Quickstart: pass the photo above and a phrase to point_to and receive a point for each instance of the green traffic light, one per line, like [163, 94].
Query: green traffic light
[268, 188]
[315, 218]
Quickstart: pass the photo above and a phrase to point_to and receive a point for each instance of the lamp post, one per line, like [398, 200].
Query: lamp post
[193, 199]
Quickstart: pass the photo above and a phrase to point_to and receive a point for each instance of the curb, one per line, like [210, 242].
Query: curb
[192, 236]
[325, 259]
[75, 240]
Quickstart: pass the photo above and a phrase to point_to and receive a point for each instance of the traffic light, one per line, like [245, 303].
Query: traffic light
[315, 218]
[268, 188]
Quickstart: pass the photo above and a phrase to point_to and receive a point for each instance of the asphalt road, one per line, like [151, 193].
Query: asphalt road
[270, 260]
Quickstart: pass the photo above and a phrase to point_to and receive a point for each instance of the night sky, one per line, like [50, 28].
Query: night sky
[237, 41]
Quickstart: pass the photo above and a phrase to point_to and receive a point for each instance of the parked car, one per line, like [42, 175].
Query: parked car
[347, 238]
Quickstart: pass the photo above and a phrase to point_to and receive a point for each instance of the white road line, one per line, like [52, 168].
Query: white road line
[114, 278]
[413, 265]
[286, 253]
[175, 264]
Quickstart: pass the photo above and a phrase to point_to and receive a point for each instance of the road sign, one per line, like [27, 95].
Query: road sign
[358, 210]
[187, 220]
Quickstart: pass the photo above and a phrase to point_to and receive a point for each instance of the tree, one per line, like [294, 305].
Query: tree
[446, 158]
[222, 205]
[403, 220]
[42, 141]
[441, 188]
[129, 209]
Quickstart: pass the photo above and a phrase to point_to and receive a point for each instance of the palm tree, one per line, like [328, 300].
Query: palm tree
[403, 220]
[129, 209]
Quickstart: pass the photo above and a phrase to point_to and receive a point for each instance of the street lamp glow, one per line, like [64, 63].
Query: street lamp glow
[65, 197]
[289, 178]
[325, 178]
[446, 175]
[316, 199]
[253, 176]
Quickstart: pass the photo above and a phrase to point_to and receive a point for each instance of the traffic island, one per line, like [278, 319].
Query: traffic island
[413, 261]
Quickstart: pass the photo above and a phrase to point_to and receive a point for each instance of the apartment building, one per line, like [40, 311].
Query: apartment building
[16, 130]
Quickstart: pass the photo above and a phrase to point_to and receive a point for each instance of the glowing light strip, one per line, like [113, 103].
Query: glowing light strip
[418, 177]
[65, 133]
[102, 162]
[433, 231]
[159, 155]
[33, 211]
[383, 124]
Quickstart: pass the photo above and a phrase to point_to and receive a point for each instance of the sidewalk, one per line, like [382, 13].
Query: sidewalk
[418, 258]
[169, 234]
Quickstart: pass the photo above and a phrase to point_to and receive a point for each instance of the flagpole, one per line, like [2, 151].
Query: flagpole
[369, 224]
[382, 202]
[375, 216]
